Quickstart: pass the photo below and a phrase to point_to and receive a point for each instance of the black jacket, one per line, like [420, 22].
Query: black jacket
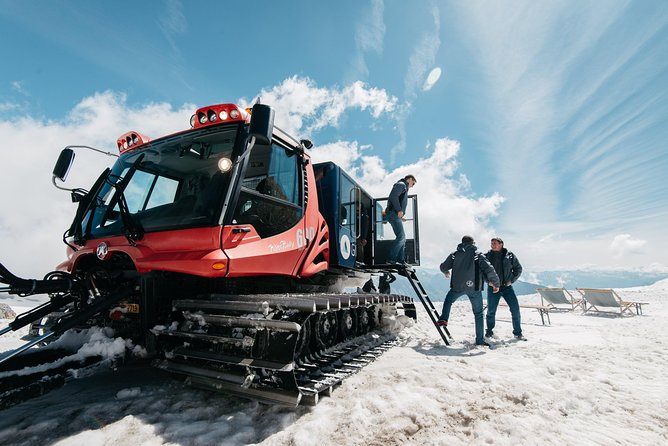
[398, 199]
[510, 271]
[469, 269]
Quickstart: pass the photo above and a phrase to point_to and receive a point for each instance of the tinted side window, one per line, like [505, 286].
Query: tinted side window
[284, 174]
[270, 197]
[348, 207]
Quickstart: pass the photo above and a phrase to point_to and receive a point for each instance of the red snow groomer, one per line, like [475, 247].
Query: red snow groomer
[225, 253]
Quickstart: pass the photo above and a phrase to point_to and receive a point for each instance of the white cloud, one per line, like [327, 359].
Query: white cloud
[423, 57]
[302, 107]
[370, 32]
[369, 35]
[346, 154]
[623, 245]
[447, 208]
[19, 87]
[173, 24]
[35, 214]
[8, 106]
[563, 279]
[173, 21]
[564, 248]
[432, 78]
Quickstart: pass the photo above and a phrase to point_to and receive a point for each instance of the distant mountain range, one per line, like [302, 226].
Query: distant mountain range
[437, 286]
[595, 279]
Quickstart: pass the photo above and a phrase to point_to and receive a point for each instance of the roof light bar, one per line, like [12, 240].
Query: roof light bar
[216, 114]
[131, 140]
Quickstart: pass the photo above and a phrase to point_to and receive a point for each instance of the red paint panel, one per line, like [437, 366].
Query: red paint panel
[251, 255]
[189, 251]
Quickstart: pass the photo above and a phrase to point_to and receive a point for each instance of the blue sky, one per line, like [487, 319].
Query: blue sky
[542, 122]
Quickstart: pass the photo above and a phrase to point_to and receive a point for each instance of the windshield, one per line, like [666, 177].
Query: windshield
[178, 184]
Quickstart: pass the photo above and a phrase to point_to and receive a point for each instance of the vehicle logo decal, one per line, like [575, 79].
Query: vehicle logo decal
[102, 251]
[345, 246]
[281, 246]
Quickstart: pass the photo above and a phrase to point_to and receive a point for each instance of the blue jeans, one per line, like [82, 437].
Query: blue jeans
[509, 296]
[476, 305]
[398, 248]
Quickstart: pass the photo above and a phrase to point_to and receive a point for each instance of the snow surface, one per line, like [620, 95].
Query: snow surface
[585, 380]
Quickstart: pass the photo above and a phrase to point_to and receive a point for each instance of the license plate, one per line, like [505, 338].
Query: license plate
[132, 308]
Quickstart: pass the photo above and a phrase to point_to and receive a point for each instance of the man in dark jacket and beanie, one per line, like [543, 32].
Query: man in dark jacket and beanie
[508, 269]
[396, 208]
[469, 269]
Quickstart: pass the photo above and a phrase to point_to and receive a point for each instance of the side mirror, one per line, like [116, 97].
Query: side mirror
[262, 123]
[63, 164]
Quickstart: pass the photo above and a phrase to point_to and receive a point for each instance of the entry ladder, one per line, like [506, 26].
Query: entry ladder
[409, 273]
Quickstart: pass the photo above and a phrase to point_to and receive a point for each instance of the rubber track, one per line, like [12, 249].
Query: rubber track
[289, 377]
[320, 377]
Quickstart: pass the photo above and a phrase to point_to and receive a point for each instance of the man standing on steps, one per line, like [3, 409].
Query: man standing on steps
[384, 283]
[508, 269]
[396, 208]
[469, 268]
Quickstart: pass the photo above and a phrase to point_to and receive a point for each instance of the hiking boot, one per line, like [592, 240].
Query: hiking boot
[521, 338]
[489, 334]
[442, 323]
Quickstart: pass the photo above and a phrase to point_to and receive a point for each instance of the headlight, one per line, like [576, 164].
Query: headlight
[224, 164]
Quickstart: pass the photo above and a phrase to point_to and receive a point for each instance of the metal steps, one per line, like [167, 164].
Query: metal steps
[410, 274]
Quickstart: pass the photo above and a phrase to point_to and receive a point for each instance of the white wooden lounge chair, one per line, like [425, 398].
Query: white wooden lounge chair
[542, 310]
[551, 297]
[595, 299]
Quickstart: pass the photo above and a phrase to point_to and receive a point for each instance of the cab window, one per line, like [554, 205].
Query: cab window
[270, 197]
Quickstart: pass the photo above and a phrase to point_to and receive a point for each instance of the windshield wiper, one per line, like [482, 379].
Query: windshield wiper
[133, 229]
[87, 203]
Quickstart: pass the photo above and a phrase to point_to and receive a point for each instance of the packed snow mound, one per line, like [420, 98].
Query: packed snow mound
[661, 285]
[6, 311]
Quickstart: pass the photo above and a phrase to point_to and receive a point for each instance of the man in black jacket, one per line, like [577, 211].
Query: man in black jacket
[508, 269]
[469, 269]
[384, 283]
[396, 208]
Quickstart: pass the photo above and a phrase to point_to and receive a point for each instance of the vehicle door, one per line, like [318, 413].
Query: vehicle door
[267, 232]
[383, 235]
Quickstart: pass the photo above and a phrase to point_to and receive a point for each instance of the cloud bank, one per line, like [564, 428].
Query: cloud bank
[623, 244]
[303, 108]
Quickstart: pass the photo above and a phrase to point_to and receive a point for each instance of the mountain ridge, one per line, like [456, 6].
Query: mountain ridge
[437, 286]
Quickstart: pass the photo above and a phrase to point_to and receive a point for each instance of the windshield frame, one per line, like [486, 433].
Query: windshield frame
[195, 151]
